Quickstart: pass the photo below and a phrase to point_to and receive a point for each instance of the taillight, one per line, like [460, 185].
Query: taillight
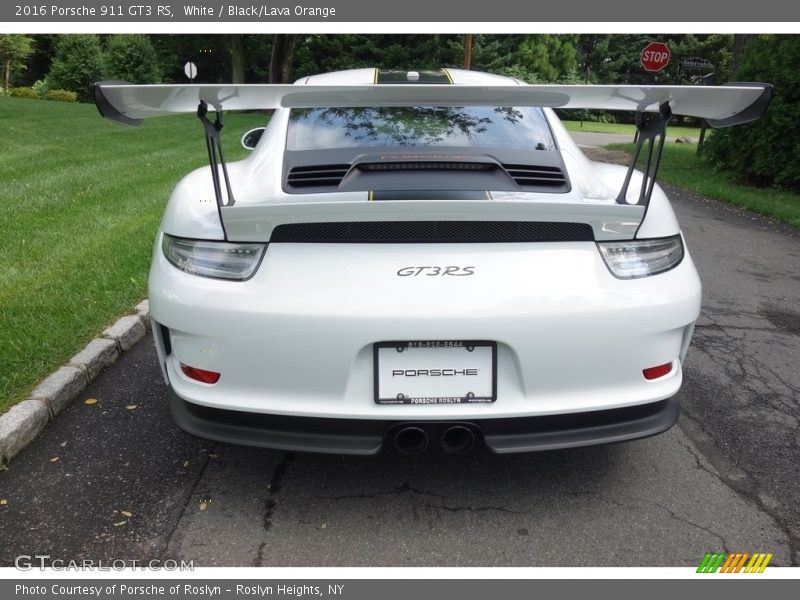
[656, 372]
[640, 258]
[220, 260]
[200, 374]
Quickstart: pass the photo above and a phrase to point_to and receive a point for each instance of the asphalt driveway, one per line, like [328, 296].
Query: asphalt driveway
[725, 478]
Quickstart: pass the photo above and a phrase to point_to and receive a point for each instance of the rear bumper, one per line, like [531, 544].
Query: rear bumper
[297, 339]
[369, 437]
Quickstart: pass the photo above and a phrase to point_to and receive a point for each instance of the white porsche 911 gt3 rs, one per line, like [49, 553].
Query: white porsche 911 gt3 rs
[412, 258]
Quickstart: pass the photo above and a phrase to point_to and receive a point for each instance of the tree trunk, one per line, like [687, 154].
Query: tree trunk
[237, 57]
[740, 42]
[468, 51]
[280, 64]
[7, 75]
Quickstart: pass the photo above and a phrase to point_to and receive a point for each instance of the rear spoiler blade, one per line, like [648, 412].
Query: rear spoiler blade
[721, 106]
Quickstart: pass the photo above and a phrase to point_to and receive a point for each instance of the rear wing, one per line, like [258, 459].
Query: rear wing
[720, 106]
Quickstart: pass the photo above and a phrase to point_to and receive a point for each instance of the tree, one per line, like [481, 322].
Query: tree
[740, 43]
[491, 53]
[14, 49]
[766, 152]
[548, 58]
[132, 58]
[237, 57]
[257, 49]
[280, 64]
[531, 58]
[37, 65]
[322, 53]
[468, 51]
[716, 49]
[77, 64]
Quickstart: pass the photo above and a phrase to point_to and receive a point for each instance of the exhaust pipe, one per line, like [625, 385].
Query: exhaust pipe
[458, 439]
[411, 440]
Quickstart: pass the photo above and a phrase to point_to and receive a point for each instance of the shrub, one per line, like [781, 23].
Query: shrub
[41, 87]
[766, 152]
[77, 64]
[61, 96]
[23, 92]
[132, 58]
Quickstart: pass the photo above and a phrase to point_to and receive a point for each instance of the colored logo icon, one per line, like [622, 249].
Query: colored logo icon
[734, 562]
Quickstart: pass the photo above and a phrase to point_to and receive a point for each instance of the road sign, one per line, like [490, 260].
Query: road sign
[655, 57]
[191, 70]
[696, 63]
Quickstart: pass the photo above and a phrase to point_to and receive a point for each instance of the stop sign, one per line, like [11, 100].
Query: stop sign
[655, 56]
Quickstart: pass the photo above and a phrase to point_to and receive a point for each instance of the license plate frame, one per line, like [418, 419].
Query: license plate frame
[420, 348]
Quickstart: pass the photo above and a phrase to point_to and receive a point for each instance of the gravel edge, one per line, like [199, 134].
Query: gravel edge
[25, 420]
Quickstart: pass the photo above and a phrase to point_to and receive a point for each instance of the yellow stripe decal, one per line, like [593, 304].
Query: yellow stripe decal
[450, 79]
[375, 78]
[766, 562]
[757, 564]
[371, 196]
[751, 563]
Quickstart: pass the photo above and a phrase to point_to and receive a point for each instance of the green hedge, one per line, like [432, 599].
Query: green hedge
[61, 96]
[22, 92]
[54, 95]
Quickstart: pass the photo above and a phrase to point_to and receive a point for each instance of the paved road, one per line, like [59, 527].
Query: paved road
[588, 139]
[724, 479]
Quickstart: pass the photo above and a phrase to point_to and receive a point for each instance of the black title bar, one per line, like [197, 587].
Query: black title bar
[340, 11]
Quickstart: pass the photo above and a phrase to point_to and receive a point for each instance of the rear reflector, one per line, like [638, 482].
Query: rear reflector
[200, 374]
[656, 372]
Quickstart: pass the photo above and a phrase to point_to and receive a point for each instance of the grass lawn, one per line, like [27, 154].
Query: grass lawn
[680, 166]
[597, 127]
[80, 202]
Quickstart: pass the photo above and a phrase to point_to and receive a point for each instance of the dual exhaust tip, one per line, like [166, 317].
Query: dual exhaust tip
[456, 439]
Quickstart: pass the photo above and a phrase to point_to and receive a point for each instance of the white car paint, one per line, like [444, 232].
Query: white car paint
[571, 337]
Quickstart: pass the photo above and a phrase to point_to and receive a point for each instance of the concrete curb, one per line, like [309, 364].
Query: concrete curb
[26, 420]
[20, 426]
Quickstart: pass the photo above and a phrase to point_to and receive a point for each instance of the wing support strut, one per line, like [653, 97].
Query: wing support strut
[652, 133]
[216, 159]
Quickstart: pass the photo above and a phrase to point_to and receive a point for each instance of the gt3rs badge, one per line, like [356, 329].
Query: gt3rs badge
[436, 271]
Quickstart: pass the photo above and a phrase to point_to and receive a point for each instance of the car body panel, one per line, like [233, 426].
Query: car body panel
[298, 338]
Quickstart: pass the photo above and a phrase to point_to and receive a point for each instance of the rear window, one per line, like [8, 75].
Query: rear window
[409, 126]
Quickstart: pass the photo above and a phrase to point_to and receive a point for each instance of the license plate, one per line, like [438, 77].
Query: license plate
[435, 372]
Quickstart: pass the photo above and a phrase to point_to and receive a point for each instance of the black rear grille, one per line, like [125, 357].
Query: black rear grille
[433, 232]
[437, 174]
[318, 175]
[536, 175]
[427, 165]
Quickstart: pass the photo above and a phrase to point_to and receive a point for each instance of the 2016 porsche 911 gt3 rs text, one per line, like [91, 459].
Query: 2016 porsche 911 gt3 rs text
[410, 258]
